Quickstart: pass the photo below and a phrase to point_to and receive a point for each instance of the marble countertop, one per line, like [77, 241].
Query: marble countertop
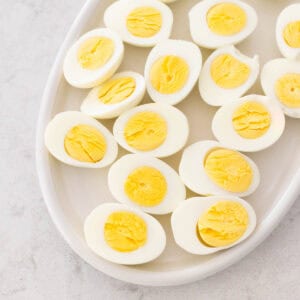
[35, 262]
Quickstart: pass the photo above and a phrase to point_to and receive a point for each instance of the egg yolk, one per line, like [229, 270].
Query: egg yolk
[229, 170]
[226, 19]
[287, 89]
[95, 52]
[146, 186]
[125, 231]
[223, 224]
[145, 131]
[291, 34]
[251, 120]
[169, 74]
[85, 143]
[228, 72]
[116, 90]
[144, 22]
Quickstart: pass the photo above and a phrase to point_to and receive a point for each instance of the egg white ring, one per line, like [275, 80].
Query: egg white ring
[79, 77]
[193, 174]
[121, 169]
[190, 53]
[156, 237]
[115, 17]
[58, 128]
[274, 70]
[203, 36]
[177, 126]
[215, 95]
[185, 218]
[92, 106]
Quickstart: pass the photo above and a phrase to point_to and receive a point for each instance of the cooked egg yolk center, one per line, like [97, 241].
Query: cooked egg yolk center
[145, 131]
[116, 90]
[228, 72]
[146, 186]
[85, 143]
[226, 19]
[125, 231]
[223, 224]
[291, 34]
[287, 89]
[251, 120]
[95, 52]
[169, 74]
[144, 22]
[229, 170]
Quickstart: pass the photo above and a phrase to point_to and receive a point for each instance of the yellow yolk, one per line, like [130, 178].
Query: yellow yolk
[251, 120]
[116, 90]
[229, 170]
[145, 131]
[125, 231]
[228, 72]
[85, 143]
[226, 19]
[144, 22]
[291, 34]
[287, 89]
[146, 186]
[223, 224]
[95, 52]
[169, 74]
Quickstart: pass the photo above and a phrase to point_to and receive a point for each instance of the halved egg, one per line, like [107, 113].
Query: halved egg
[209, 168]
[94, 58]
[216, 23]
[155, 129]
[205, 225]
[280, 80]
[123, 234]
[79, 140]
[226, 75]
[250, 124]
[141, 23]
[120, 93]
[171, 71]
[147, 183]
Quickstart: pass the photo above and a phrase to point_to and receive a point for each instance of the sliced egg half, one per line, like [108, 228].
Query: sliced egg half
[205, 225]
[171, 71]
[155, 129]
[123, 234]
[94, 58]
[209, 168]
[147, 183]
[79, 140]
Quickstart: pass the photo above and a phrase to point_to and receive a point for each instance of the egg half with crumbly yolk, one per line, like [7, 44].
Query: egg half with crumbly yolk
[141, 23]
[79, 140]
[210, 168]
[216, 23]
[205, 225]
[124, 235]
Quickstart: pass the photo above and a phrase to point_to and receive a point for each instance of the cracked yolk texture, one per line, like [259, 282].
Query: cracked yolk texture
[291, 34]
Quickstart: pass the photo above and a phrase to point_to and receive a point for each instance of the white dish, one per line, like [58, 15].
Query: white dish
[71, 193]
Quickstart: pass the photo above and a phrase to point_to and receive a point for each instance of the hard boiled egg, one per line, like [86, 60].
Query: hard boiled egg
[155, 129]
[79, 140]
[226, 75]
[221, 222]
[141, 23]
[123, 234]
[147, 183]
[209, 168]
[252, 123]
[171, 71]
[216, 23]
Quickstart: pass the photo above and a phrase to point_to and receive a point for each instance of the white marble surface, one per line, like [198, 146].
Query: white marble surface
[35, 262]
